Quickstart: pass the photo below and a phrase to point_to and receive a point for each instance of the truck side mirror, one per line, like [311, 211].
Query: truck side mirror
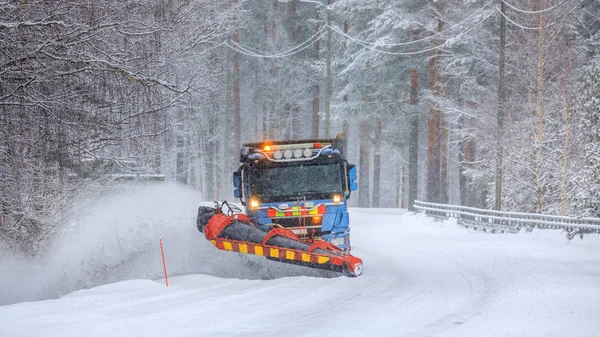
[353, 186]
[237, 191]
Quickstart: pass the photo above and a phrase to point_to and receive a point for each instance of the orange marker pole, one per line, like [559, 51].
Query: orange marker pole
[162, 251]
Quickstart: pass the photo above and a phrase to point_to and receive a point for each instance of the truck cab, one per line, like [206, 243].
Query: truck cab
[301, 185]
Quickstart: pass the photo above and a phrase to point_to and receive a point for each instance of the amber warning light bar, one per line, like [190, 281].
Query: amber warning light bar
[268, 147]
[288, 150]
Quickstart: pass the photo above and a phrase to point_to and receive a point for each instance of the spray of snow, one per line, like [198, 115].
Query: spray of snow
[117, 238]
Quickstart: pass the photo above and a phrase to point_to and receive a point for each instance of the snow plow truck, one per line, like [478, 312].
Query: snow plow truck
[295, 194]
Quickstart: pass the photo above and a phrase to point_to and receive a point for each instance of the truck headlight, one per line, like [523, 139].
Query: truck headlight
[337, 198]
[338, 241]
[254, 203]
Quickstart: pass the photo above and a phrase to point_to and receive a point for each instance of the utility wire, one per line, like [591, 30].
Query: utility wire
[245, 51]
[294, 50]
[337, 30]
[291, 50]
[478, 11]
[532, 12]
[514, 23]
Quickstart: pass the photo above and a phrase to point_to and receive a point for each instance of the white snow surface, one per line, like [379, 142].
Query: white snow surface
[421, 278]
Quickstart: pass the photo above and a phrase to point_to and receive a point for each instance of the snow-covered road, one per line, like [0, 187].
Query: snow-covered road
[421, 278]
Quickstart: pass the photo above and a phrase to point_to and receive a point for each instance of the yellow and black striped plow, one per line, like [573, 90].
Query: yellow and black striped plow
[237, 233]
[331, 262]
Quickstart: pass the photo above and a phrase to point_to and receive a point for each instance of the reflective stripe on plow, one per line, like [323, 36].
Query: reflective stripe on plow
[322, 259]
[290, 255]
[278, 253]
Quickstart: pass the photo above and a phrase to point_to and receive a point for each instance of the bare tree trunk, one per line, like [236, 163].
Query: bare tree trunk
[413, 140]
[181, 162]
[296, 125]
[346, 127]
[443, 160]
[467, 156]
[540, 112]
[377, 163]
[274, 128]
[462, 177]
[364, 165]
[265, 121]
[216, 166]
[315, 112]
[210, 169]
[274, 20]
[255, 131]
[500, 115]
[236, 84]
[434, 138]
[400, 186]
[471, 157]
[563, 193]
[316, 86]
[191, 176]
[328, 77]
[346, 130]
[226, 184]
[294, 106]
[433, 141]
[265, 113]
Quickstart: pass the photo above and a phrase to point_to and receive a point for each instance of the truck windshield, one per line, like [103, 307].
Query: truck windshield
[290, 182]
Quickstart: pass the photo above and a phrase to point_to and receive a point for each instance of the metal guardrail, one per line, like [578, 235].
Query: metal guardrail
[498, 221]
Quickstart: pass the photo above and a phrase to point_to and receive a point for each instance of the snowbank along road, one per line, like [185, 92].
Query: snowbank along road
[421, 278]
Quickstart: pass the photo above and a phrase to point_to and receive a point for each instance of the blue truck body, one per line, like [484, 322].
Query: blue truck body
[302, 185]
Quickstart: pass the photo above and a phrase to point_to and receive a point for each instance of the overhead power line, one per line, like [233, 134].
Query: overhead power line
[478, 11]
[294, 50]
[337, 30]
[515, 23]
[532, 12]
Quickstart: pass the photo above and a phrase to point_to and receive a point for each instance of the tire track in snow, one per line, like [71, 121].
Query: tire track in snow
[440, 294]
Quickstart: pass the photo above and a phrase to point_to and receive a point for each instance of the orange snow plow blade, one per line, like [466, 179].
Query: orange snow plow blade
[237, 233]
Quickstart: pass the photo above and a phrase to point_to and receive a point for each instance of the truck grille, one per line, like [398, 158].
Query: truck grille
[303, 226]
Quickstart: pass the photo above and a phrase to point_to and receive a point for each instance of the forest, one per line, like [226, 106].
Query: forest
[486, 103]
